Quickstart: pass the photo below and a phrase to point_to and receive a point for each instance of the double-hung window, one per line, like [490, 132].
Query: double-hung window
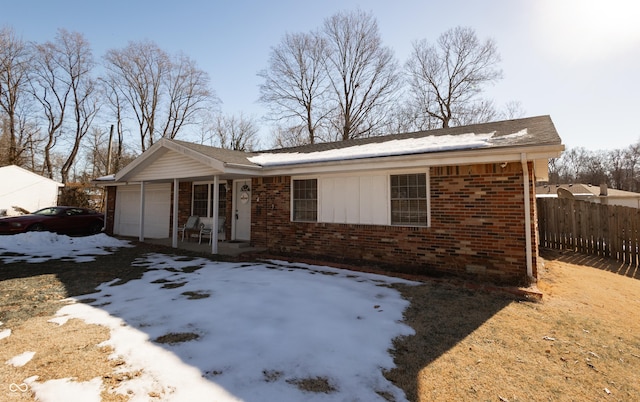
[409, 199]
[203, 200]
[305, 200]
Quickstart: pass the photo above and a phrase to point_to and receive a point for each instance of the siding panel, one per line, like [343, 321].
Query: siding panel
[353, 199]
[374, 200]
[173, 165]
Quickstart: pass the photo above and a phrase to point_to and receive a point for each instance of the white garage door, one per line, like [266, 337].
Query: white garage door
[157, 210]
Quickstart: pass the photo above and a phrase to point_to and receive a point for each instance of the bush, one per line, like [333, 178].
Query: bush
[74, 196]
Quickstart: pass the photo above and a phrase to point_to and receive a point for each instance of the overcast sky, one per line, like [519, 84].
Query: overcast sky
[576, 60]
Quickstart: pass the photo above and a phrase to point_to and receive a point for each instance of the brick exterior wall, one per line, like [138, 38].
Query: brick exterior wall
[110, 209]
[477, 228]
[185, 190]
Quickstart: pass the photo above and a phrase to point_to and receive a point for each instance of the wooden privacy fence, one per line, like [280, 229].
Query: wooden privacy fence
[604, 230]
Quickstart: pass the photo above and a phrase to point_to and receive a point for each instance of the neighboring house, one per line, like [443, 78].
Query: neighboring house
[27, 190]
[455, 201]
[597, 194]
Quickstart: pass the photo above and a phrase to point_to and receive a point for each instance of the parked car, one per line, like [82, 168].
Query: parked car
[67, 220]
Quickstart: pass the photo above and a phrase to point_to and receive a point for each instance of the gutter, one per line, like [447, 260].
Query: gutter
[527, 215]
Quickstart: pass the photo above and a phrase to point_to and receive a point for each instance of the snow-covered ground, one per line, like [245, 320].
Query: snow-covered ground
[35, 247]
[256, 330]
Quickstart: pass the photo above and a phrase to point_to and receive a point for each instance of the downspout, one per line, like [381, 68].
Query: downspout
[527, 215]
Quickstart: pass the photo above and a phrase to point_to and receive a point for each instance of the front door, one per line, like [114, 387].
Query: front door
[242, 209]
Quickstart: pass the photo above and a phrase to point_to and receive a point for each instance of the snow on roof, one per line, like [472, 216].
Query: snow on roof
[109, 177]
[392, 147]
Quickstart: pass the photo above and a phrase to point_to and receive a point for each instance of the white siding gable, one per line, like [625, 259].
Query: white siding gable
[174, 165]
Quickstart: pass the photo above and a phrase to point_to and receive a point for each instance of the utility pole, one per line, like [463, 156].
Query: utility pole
[109, 150]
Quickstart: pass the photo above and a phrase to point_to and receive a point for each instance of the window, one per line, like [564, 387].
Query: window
[200, 198]
[203, 200]
[305, 200]
[222, 199]
[409, 199]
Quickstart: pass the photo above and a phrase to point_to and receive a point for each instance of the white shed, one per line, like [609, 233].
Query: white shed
[22, 188]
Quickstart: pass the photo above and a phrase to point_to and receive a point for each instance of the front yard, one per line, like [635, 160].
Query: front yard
[151, 325]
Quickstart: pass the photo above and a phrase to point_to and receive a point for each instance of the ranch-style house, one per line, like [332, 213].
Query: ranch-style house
[454, 201]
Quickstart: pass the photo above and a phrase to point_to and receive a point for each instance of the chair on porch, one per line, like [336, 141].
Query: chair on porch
[192, 226]
[206, 230]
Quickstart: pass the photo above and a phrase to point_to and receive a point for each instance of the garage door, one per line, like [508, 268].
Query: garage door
[157, 211]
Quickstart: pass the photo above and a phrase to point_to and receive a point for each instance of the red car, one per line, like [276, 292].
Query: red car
[67, 220]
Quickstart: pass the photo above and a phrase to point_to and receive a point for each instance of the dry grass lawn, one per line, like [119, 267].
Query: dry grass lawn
[581, 343]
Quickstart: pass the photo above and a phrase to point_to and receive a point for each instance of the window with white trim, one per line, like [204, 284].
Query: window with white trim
[408, 194]
[202, 200]
[305, 200]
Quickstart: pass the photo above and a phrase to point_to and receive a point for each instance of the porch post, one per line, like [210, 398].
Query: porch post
[174, 231]
[214, 228]
[141, 236]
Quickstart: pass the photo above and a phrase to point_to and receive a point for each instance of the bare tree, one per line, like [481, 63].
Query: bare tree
[189, 95]
[285, 137]
[238, 133]
[96, 152]
[403, 119]
[295, 84]
[618, 168]
[513, 110]
[15, 65]
[624, 166]
[63, 79]
[363, 73]
[446, 79]
[52, 93]
[571, 164]
[163, 94]
[116, 103]
[138, 71]
[580, 165]
[632, 158]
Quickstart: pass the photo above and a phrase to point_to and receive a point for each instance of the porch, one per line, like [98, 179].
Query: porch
[225, 248]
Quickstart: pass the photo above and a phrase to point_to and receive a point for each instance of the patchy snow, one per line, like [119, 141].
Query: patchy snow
[5, 333]
[35, 247]
[248, 331]
[109, 177]
[21, 359]
[66, 389]
[519, 134]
